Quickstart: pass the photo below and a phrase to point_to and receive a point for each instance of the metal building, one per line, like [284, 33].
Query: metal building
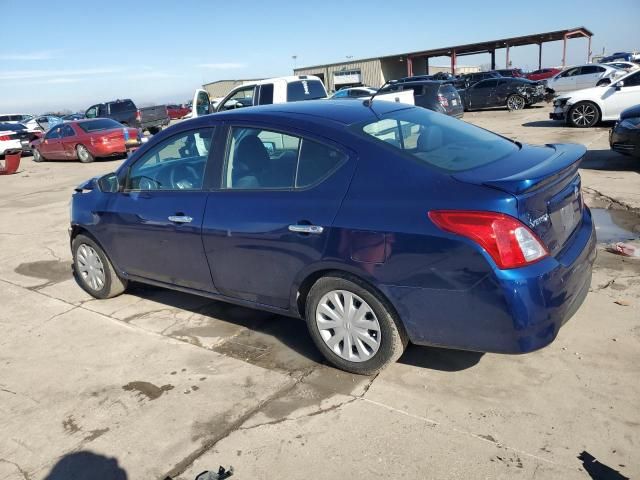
[220, 88]
[375, 71]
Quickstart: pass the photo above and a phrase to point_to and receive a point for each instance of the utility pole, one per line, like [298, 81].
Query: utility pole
[294, 58]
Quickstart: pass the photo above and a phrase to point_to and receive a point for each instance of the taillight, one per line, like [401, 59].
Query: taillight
[138, 116]
[510, 242]
[443, 100]
[5, 138]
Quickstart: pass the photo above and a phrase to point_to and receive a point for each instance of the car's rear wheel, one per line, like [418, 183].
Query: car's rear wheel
[84, 155]
[93, 270]
[353, 326]
[516, 102]
[583, 115]
[37, 156]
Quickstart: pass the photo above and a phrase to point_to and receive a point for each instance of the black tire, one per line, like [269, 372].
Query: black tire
[113, 285]
[583, 115]
[37, 156]
[154, 130]
[515, 102]
[604, 81]
[84, 155]
[393, 339]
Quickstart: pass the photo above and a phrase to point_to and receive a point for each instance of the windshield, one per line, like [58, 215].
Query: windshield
[97, 125]
[439, 140]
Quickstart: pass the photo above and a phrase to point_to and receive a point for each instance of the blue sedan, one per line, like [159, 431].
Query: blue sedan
[378, 224]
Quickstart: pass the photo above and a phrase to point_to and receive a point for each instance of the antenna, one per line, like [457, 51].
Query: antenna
[369, 101]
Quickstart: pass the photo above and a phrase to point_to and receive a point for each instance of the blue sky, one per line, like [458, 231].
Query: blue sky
[77, 53]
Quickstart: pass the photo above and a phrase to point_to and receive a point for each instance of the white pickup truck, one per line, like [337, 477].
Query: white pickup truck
[276, 90]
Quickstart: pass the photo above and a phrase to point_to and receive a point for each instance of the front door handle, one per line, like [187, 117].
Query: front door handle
[315, 229]
[180, 219]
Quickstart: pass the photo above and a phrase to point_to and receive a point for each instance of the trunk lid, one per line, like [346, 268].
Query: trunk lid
[546, 185]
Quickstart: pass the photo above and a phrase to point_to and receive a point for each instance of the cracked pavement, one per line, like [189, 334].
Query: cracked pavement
[156, 383]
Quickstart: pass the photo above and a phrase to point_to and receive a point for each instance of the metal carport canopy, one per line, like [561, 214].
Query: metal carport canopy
[492, 45]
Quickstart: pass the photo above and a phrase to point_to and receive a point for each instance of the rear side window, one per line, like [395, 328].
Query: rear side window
[124, 106]
[266, 94]
[316, 161]
[260, 159]
[305, 90]
[486, 84]
[438, 140]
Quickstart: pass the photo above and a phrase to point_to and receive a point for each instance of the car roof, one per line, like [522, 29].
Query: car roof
[315, 111]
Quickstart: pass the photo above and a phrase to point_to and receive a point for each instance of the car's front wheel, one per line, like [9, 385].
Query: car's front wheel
[583, 115]
[84, 155]
[93, 270]
[353, 326]
[516, 102]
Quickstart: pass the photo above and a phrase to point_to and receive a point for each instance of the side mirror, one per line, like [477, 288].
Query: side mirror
[619, 85]
[109, 183]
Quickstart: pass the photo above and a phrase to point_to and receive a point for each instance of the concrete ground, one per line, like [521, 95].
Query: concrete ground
[156, 383]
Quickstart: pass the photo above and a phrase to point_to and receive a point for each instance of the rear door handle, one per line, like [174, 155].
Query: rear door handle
[315, 229]
[180, 219]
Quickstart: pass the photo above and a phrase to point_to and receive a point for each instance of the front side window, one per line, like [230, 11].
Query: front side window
[266, 94]
[67, 131]
[92, 112]
[177, 163]
[263, 159]
[572, 72]
[438, 140]
[632, 80]
[53, 133]
[486, 84]
[241, 98]
[124, 106]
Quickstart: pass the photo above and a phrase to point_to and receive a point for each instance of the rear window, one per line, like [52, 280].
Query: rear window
[100, 124]
[305, 90]
[124, 106]
[438, 140]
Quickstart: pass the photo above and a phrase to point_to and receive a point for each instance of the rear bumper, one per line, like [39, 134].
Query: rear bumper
[10, 145]
[508, 311]
[112, 148]
[625, 141]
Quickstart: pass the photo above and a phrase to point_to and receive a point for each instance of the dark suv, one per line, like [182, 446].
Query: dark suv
[126, 112]
[437, 96]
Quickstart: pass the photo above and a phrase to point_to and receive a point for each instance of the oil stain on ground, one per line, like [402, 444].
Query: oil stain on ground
[147, 389]
[53, 271]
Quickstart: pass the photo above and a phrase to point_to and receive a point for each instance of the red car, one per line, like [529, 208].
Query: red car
[543, 73]
[176, 111]
[84, 140]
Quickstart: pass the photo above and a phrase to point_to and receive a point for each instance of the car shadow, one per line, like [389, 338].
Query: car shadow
[609, 160]
[276, 341]
[560, 123]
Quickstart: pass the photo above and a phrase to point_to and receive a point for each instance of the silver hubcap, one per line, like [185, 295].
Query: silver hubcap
[583, 115]
[348, 326]
[516, 103]
[90, 267]
[82, 153]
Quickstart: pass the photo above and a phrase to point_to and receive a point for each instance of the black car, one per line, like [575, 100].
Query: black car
[469, 79]
[625, 135]
[128, 114]
[513, 93]
[509, 72]
[433, 95]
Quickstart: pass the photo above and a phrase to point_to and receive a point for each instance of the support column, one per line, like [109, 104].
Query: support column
[539, 56]
[507, 61]
[426, 62]
[564, 51]
[493, 59]
[409, 66]
[453, 62]
[589, 51]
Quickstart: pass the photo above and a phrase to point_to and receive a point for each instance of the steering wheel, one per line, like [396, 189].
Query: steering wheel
[183, 177]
